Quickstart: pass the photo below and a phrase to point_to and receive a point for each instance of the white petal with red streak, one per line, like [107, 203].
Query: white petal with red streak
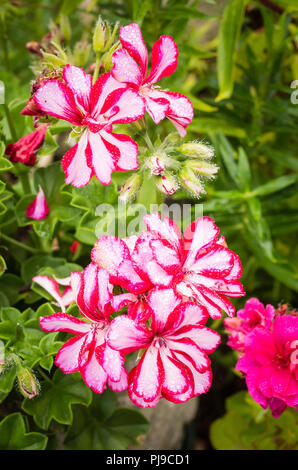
[64, 322]
[175, 376]
[74, 163]
[38, 209]
[125, 68]
[132, 40]
[163, 59]
[57, 99]
[103, 160]
[80, 83]
[51, 287]
[166, 229]
[162, 302]
[122, 384]
[68, 356]
[149, 376]
[128, 106]
[127, 336]
[127, 149]
[202, 233]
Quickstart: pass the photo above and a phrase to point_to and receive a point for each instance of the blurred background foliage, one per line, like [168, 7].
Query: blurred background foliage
[237, 61]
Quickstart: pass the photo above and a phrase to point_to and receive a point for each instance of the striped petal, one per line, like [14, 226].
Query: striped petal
[38, 209]
[163, 59]
[132, 40]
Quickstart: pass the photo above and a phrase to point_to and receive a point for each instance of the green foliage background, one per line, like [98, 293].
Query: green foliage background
[237, 61]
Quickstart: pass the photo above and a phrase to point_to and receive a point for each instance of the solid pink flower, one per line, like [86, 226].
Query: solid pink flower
[38, 209]
[270, 364]
[95, 108]
[25, 149]
[175, 363]
[197, 265]
[88, 352]
[254, 314]
[130, 67]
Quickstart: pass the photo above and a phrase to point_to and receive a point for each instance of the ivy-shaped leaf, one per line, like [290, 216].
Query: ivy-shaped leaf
[103, 426]
[56, 399]
[13, 435]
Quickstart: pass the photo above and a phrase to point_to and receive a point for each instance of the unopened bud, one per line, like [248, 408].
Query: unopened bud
[28, 384]
[196, 150]
[107, 58]
[202, 167]
[99, 36]
[167, 183]
[157, 163]
[190, 181]
[81, 53]
[130, 188]
[53, 61]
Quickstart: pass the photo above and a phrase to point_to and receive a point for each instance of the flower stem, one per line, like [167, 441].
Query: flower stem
[17, 243]
[97, 67]
[10, 122]
[25, 182]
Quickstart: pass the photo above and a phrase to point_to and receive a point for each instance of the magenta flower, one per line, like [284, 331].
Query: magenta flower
[174, 365]
[38, 209]
[95, 108]
[130, 67]
[253, 315]
[197, 265]
[25, 149]
[88, 352]
[270, 364]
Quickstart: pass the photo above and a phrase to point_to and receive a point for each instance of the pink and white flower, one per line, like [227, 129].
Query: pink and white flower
[196, 265]
[270, 364]
[96, 108]
[175, 363]
[130, 67]
[38, 209]
[88, 352]
[253, 315]
[52, 287]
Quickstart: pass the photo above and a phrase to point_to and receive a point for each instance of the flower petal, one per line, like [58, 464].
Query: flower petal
[127, 150]
[67, 358]
[51, 286]
[149, 375]
[132, 40]
[102, 88]
[80, 84]
[64, 322]
[162, 302]
[38, 209]
[112, 361]
[125, 68]
[102, 157]
[127, 336]
[163, 59]
[198, 236]
[175, 375]
[57, 99]
[75, 164]
[121, 385]
[135, 398]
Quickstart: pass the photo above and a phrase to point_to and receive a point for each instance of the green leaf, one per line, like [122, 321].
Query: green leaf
[7, 378]
[56, 399]
[5, 164]
[275, 185]
[3, 266]
[244, 170]
[13, 435]
[229, 33]
[103, 426]
[209, 125]
[140, 9]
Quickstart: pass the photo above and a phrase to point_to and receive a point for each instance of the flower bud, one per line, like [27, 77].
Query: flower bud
[27, 382]
[196, 150]
[167, 183]
[99, 36]
[157, 163]
[190, 181]
[107, 58]
[81, 53]
[130, 188]
[201, 167]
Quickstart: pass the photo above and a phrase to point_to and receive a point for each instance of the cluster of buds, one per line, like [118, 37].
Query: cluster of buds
[172, 166]
[103, 42]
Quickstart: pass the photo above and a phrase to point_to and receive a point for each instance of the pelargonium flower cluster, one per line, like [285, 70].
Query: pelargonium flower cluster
[121, 96]
[267, 343]
[172, 284]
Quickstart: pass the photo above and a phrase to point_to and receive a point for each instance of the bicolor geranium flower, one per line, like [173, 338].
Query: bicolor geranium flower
[88, 351]
[130, 67]
[253, 315]
[38, 209]
[52, 287]
[270, 364]
[197, 265]
[25, 149]
[95, 108]
[174, 364]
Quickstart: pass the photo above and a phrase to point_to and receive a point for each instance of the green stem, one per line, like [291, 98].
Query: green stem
[44, 376]
[10, 122]
[25, 182]
[19, 244]
[97, 67]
